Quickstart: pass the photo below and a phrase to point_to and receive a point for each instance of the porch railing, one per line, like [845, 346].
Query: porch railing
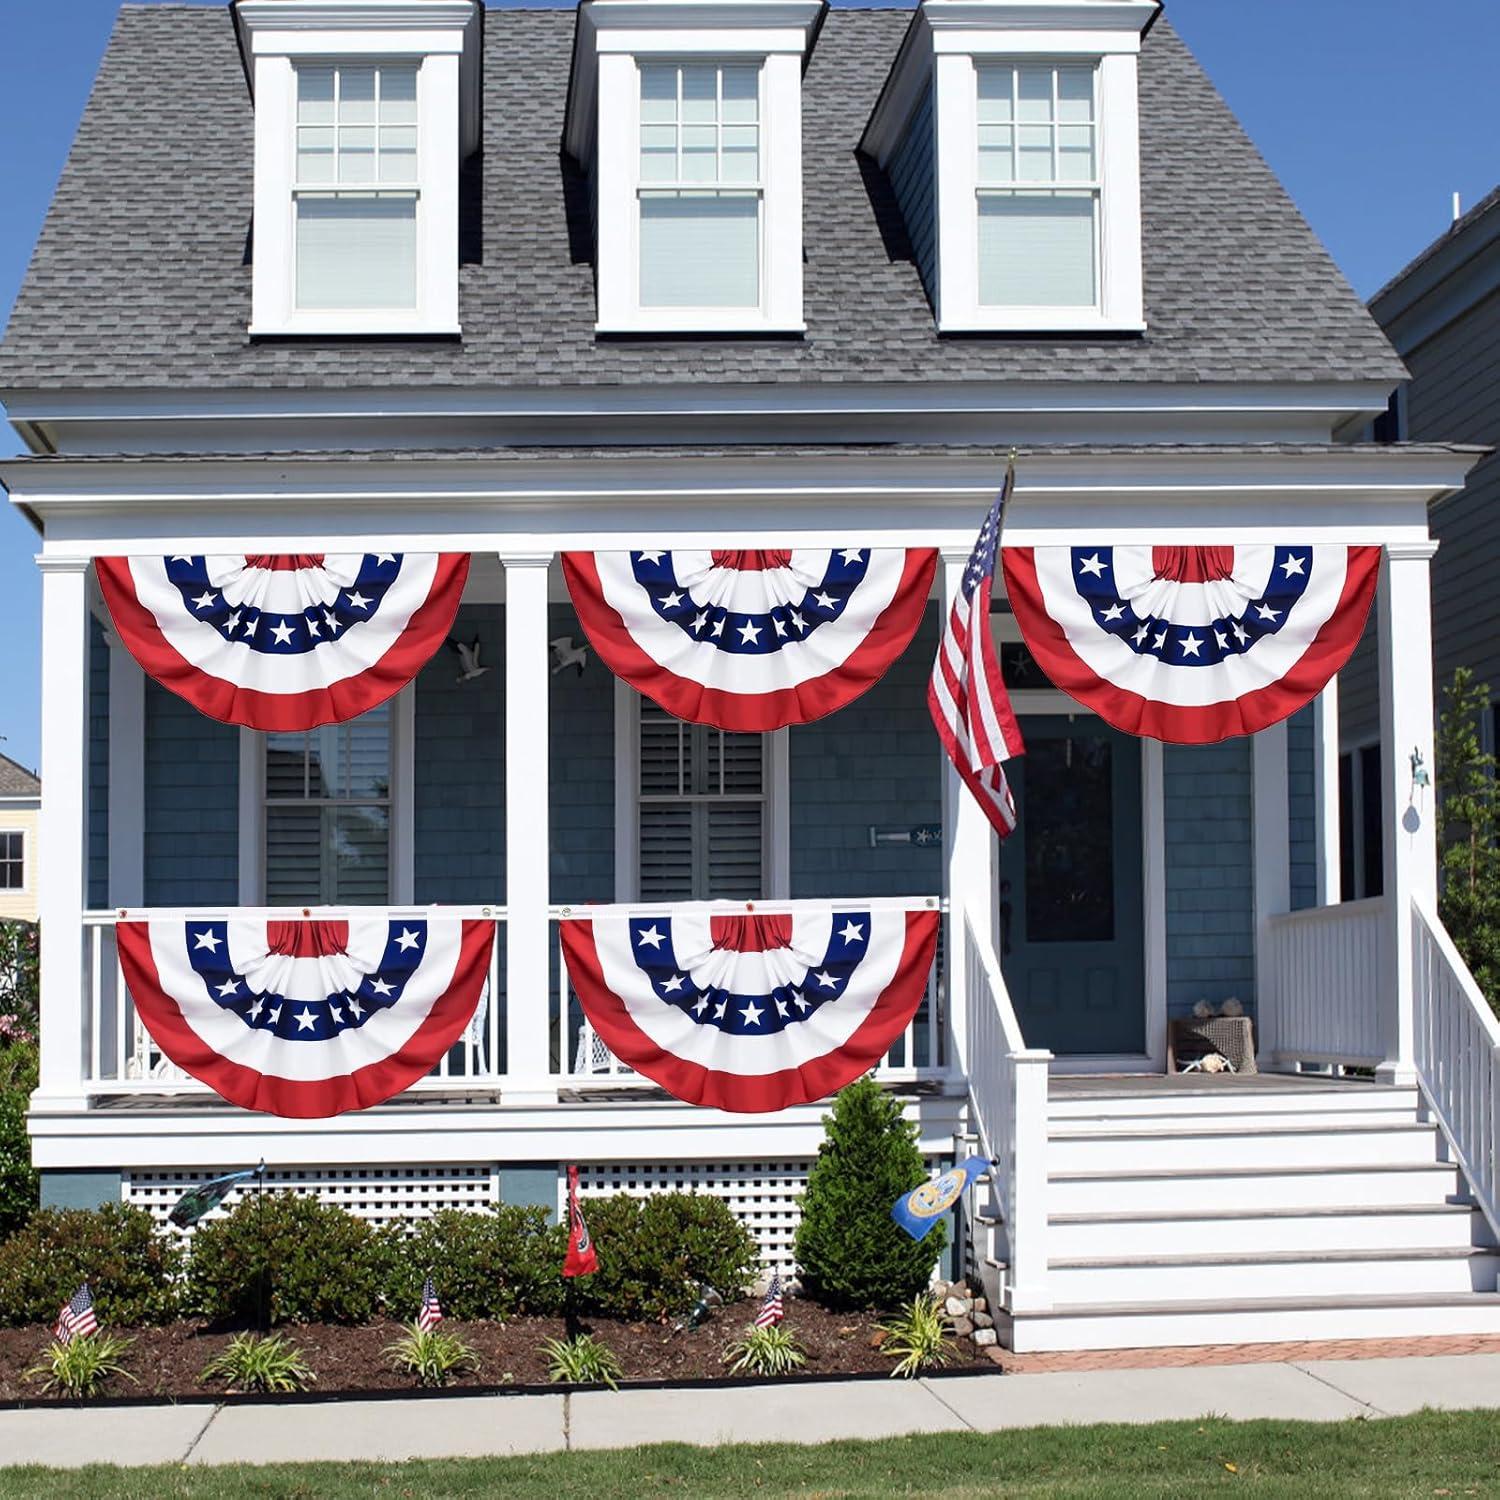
[1319, 1002]
[1008, 1105]
[120, 1056]
[1457, 1057]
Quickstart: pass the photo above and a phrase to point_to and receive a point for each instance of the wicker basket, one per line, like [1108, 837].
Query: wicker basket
[1230, 1036]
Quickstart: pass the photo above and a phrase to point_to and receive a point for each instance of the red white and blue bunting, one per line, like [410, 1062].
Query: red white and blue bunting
[757, 1012]
[1192, 644]
[284, 642]
[306, 1018]
[751, 641]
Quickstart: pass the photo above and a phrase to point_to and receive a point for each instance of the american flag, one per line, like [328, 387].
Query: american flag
[967, 696]
[76, 1320]
[432, 1310]
[771, 1311]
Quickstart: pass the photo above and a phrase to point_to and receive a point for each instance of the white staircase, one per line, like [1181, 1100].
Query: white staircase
[1247, 1211]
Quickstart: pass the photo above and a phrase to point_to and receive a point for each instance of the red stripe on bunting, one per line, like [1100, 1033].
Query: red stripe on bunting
[230, 704]
[752, 713]
[293, 1098]
[1329, 650]
[743, 1093]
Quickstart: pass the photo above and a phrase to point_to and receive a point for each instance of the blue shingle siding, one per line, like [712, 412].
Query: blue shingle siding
[192, 805]
[583, 773]
[98, 826]
[911, 174]
[459, 806]
[1302, 809]
[876, 762]
[1209, 874]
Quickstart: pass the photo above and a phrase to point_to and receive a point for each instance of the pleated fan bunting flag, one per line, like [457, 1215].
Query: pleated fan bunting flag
[284, 642]
[306, 1017]
[750, 641]
[1192, 644]
[752, 1011]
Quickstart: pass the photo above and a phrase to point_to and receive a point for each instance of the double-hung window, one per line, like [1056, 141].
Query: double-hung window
[328, 813]
[700, 189]
[12, 861]
[356, 188]
[1038, 186]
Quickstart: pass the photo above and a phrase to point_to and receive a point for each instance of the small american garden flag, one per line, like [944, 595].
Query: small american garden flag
[432, 1310]
[771, 1311]
[76, 1318]
[967, 696]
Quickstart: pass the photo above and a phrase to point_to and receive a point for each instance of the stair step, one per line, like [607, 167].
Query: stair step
[1149, 1325]
[1229, 1121]
[1170, 1279]
[1173, 1099]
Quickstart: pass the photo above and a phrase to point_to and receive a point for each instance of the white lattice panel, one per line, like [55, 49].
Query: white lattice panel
[382, 1195]
[762, 1195]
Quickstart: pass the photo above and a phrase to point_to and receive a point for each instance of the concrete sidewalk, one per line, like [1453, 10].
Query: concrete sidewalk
[1315, 1391]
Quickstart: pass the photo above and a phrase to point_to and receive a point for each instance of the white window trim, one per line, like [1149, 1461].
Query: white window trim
[25, 885]
[402, 805]
[442, 42]
[777, 858]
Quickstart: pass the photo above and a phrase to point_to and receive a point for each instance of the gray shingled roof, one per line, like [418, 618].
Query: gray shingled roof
[1487, 205]
[16, 780]
[141, 276]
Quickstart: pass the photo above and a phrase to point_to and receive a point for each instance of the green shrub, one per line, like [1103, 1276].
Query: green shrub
[655, 1253]
[19, 970]
[82, 1367]
[852, 1254]
[498, 1264]
[582, 1360]
[768, 1351]
[430, 1356]
[271, 1366]
[131, 1269]
[917, 1337]
[311, 1261]
[18, 1180]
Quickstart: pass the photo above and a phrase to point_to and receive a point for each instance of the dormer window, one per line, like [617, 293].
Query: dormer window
[699, 189]
[357, 187]
[363, 111]
[1034, 223]
[687, 116]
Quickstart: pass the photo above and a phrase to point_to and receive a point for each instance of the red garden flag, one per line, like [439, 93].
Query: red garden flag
[581, 1260]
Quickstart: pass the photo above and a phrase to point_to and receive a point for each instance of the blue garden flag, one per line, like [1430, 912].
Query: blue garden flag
[921, 1208]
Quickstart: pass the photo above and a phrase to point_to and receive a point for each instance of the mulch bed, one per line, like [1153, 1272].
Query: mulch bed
[168, 1361]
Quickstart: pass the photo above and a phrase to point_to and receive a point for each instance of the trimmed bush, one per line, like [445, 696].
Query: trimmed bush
[499, 1264]
[313, 1263]
[131, 1269]
[852, 1254]
[654, 1254]
[19, 1188]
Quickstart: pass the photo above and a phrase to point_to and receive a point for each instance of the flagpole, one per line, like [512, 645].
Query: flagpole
[260, 1229]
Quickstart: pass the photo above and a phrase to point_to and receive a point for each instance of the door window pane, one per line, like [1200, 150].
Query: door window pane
[1069, 831]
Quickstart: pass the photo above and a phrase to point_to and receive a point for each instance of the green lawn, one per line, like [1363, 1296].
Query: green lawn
[1433, 1454]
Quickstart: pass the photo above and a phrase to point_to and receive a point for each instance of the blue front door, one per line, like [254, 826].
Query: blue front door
[1071, 910]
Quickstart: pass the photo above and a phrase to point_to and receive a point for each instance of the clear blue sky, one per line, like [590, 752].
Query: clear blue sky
[1373, 112]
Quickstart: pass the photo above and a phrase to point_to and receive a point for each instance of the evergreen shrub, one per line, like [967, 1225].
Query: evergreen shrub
[312, 1262]
[655, 1253]
[851, 1252]
[500, 1264]
[132, 1271]
[19, 1186]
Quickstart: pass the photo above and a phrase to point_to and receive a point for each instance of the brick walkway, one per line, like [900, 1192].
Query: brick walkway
[1246, 1354]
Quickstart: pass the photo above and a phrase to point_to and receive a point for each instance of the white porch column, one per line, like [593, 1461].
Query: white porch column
[1409, 838]
[970, 849]
[1326, 793]
[527, 832]
[64, 800]
[1273, 867]
[127, 776]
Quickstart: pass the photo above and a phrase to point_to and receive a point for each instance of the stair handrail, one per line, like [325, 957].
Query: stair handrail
[1457, 1056]
[1007, 1083]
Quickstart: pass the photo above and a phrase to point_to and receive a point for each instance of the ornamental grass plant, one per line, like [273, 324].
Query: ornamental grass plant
[260, 1365]
[430, 1356]
[582, 1360]
[82, 1367]
[918, 1337]
[770, 1352]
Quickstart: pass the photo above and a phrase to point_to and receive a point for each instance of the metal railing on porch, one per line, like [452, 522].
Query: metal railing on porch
[120, 1057]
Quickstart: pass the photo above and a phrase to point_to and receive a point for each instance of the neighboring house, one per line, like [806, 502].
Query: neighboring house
[20, 803]
[748, 274]
[1442, 312]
